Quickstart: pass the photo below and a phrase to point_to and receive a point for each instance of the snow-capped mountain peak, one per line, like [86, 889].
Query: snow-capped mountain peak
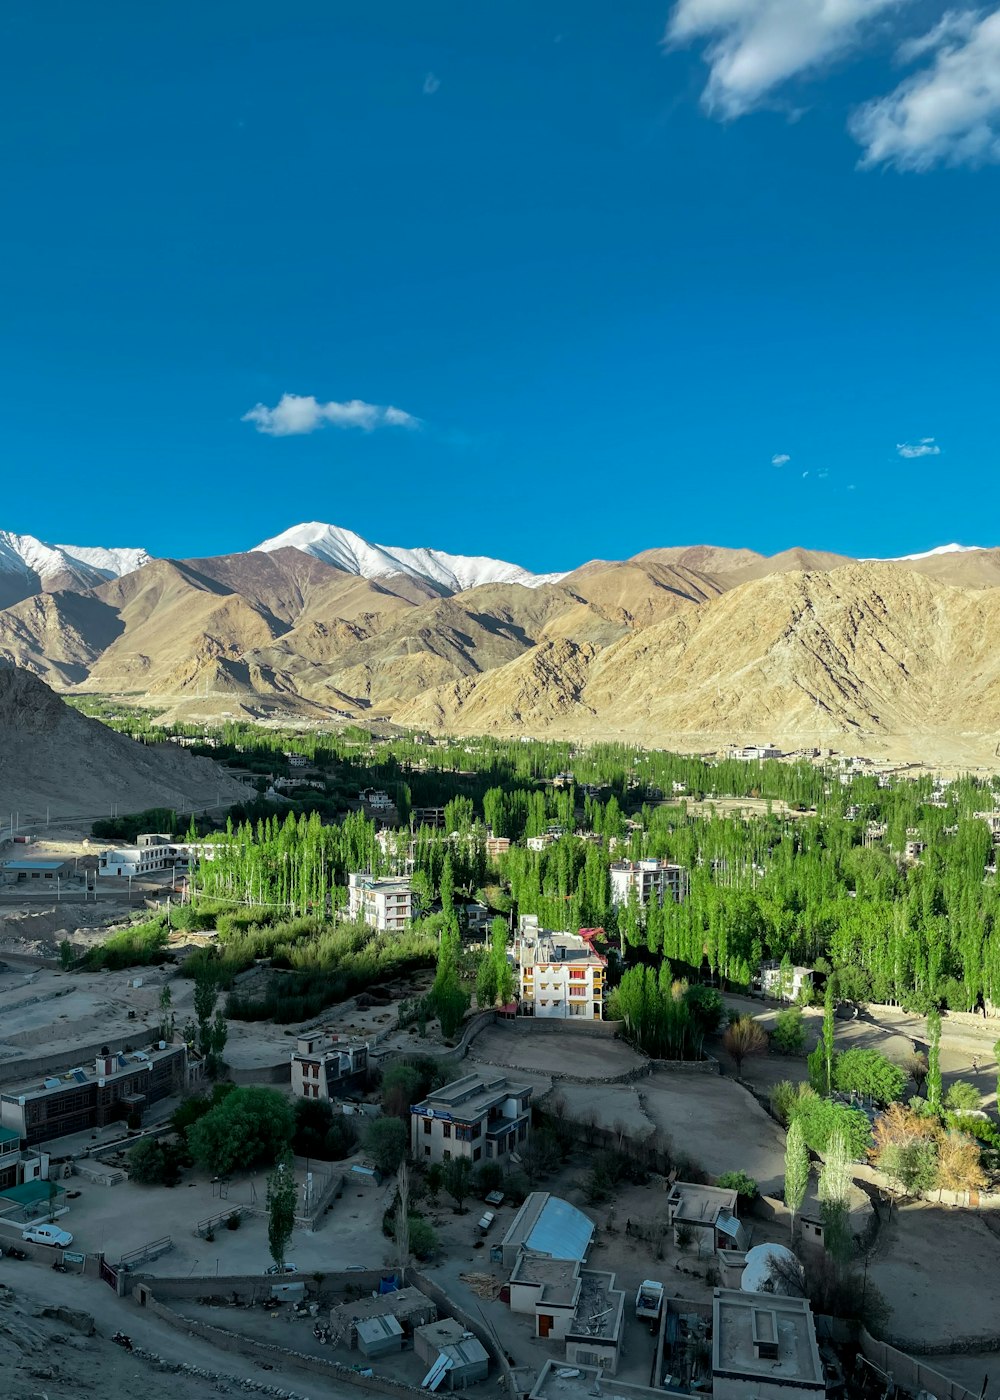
[929, 553]
[90, 564]
[449, 573]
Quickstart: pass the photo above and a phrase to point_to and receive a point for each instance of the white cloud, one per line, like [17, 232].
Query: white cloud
[296, 414]
[779, 459]
[949, 112]
[431, 84]
[926, 447]
[753, 46]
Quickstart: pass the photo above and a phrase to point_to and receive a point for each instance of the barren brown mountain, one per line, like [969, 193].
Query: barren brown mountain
[688, 646]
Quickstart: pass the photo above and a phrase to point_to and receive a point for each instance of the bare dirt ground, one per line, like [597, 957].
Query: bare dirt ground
[596, 1058]
[44, 1358]
[939, 1270]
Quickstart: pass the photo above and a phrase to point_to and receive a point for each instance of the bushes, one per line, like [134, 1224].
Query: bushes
[319, 1132]
[822, 1118]
[870, 1073]
[789, 1034]
[135, 946]
[744, 1186]
[155, 1163]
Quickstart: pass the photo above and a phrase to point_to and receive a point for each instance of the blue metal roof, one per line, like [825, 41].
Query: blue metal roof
[33, 864]
[561, 1231]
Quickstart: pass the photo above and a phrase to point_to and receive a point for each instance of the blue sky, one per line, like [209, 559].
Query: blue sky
[559, 289]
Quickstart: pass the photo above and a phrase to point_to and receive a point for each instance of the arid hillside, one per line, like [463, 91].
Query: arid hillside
[687, 646]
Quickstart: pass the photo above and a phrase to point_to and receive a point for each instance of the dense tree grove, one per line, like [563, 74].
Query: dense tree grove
[816, 874]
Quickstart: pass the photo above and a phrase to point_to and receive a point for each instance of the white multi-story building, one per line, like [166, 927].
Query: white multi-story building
[560, 974]
[151, 852]
[650, 879]
[755, 752]
[473, 1117]
[386, 904]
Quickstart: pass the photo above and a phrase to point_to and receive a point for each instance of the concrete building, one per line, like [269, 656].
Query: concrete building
[651, 879]
[709, 1214]
[482, 1119]
[581, 1307]
[557, 1381]
[410, 1308]
[432, 817]
[764, 1348]
[17, 870]
[754, 752]
[328, 1068]
[116, 1086]
[151, 852]
[387, 904]
[548, 1228]
[783, 982]
[560, 974]
[459, 1355]
[497, 846]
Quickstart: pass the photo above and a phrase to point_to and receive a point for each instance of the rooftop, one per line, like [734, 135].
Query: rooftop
[472, 1095]
[557, 1381]
[559, 1279]
[33, 864]
[765, 1336]
[373, 1329]
[89, 1074]
[599, 1307]
[550, 1226]
[700, 1205]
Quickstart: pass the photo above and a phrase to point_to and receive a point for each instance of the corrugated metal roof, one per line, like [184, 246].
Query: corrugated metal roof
[561, 1231]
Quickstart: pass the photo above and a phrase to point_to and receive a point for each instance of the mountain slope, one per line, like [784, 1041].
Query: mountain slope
[52, 756]
[29, 566]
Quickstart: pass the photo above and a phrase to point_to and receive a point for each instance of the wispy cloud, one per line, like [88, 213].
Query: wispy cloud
[779, 459]
[753, 46]
[295, 414]
[926, 447]
[949, 112]
[431, 84]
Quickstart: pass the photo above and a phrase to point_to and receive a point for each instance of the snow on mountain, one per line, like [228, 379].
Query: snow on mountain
[451, 573]
[23, 554]
[929, 553]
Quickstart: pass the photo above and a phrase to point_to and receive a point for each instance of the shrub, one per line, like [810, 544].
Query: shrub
[822, 1118]
[424, 1241]
[870, 1073]
[250, 1127]
[744, 1186]
[706, 1006]
[789, 1034]
[785, 1097]
[962, 1097]
[153, 1163]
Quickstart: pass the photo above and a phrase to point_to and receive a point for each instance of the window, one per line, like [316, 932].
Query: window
[522, 1132]
[446, 1155]
[477, 1153]
[427, 1125]
[427, 1149]
[446, 1129]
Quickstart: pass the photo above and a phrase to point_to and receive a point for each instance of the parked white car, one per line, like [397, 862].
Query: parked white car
[47, 1234]
[288, 1269]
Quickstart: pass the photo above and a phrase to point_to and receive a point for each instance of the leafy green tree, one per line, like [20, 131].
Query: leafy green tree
[834, 1195]
[424, 1242]
[154, 1163]
[281, 1200]
[167, 1018]
[456, 1179]
[822, 1118]
[746, 1187]
[905, 1148]
[934, 1059]
[827, 1037]
[385, 1141]
[486, 982]
[796, 1170]
[402, 1085]
[789, 1034]
[313, 1120]
[870, 1073]
[250, 1127]
[962, 1097]
[706, 1006]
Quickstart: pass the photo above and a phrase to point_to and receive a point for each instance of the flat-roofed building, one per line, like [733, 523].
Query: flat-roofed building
[560, 974]
[387, 904]
[581, 1307]
[709, 1214]
[650, 879]
[764, 1348]
[17, 870]
[458, 1353]
[481, 1119]
[328, 1068]
[114, 1087]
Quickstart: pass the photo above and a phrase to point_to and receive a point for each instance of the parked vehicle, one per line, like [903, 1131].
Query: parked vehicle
[12, 1252]
[485, 1221]
[279, 1269]
[47, 1234]
[495, 1198]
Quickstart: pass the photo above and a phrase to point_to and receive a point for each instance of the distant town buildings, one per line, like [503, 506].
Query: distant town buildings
[328, 1069]
[783, 981]
[650, 879]
[151, 852]
[386, 904]
[560, 974]
[480, 1119]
